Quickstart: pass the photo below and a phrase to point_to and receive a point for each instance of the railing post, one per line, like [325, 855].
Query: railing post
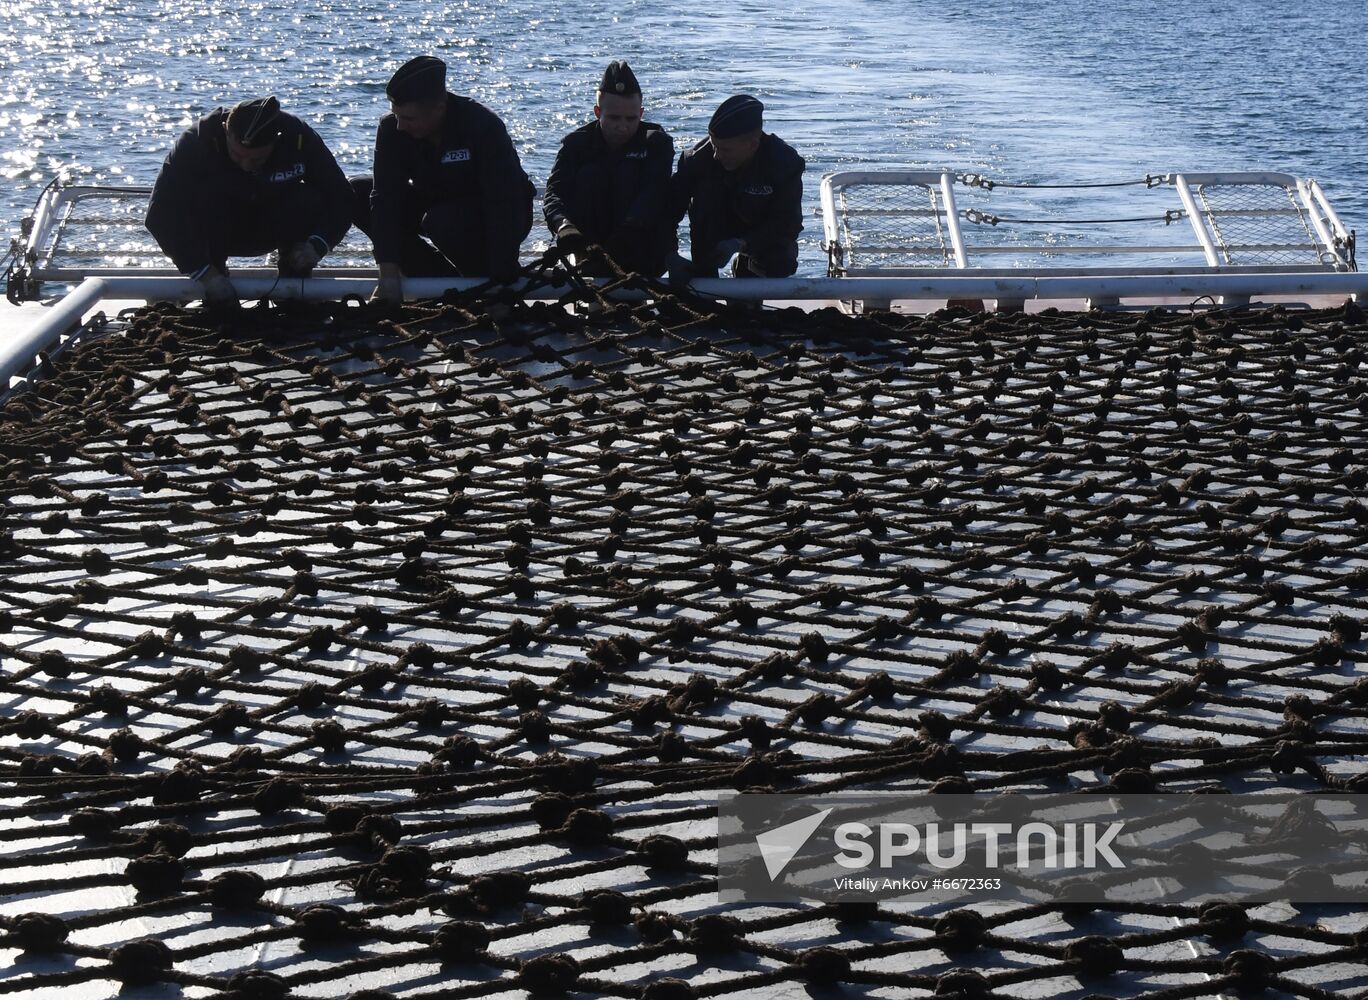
[1198, 220]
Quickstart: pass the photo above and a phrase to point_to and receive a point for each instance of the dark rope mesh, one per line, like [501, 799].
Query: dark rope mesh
[353, 650]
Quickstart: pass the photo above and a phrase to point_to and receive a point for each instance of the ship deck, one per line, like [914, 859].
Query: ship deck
[357, 649]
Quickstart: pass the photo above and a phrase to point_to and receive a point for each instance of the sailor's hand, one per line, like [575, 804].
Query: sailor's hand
[219, 292]
[303, 257]
[752, 268]
[570, 240]
[726, 250]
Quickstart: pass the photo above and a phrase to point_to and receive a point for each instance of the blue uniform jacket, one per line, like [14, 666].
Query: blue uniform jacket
[473, 158]
[197, 177]
[634, 182]
[762, 203]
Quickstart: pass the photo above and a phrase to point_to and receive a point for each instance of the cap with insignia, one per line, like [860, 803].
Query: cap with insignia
[619, 79]
[736, 116]
[255, 122]
[418, 79]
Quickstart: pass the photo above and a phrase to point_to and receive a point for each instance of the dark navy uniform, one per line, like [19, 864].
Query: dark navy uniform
[761, 203]
[464, 189]
[619, 199]
[204, 208]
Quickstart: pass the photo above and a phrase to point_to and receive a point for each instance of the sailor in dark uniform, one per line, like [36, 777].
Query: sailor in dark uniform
[743, 191]
[444, 169]
[610, 183]
[244, 182]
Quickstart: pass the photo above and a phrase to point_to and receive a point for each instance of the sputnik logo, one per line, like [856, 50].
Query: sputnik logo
[778, 846]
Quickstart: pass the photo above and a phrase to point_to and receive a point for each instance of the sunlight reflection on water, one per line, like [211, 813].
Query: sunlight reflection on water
[1053, 90]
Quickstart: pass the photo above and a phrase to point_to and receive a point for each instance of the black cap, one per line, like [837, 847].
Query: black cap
[736, 116]
[619, 79]
[255, 122]
[418, 79]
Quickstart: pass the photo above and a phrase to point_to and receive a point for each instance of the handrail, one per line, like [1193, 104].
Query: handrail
[947, 186]
[41, 260]
[17, 354]
[1197, 219]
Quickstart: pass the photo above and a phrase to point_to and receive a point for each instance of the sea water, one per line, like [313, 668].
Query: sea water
[1051, 90]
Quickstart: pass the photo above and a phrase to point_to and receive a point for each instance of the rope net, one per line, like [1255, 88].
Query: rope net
[363, 653]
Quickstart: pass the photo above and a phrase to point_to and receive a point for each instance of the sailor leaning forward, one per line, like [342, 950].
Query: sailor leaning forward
[743, 191]
[445, 171]
[610, 182]
[244, 182]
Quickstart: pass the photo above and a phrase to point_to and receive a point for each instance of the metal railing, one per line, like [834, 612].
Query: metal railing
[79, 231]
[877, 224]
[908, 222]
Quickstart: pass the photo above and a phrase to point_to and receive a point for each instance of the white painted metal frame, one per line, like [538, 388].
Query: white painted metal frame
[55, 210]
[52, 217]
[1012, 285]
[1334, 238]
[1334, 241]
[836, 234]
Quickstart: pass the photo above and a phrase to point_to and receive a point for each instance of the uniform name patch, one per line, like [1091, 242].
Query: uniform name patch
[288, 174]
[639, 154]
[456, 156]
[759, 189]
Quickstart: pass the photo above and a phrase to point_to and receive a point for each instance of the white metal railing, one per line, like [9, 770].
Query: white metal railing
[893, 222]
[877, 223]
[79, 231]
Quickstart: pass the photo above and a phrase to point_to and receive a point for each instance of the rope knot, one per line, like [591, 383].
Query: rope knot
[236, 889]
[1251, 970]
[715, 933]
[255, 984]
[549, 974]
[1223, 921]
[607, 906]
[664, 852]
[815, 647]
[462, 941]
[39, 932]
[156, 874]
[141, 963]
[587, 828]
[963, 984]
[93, 823]
[329, 736]
[1095, 956]
[459, 752]
[324, 923]
[823, 966]
[669, 989]
[960, 931]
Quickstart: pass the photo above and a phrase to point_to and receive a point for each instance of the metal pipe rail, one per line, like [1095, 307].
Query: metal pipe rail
[1293, 224]
[936, 238]
[18, 354]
